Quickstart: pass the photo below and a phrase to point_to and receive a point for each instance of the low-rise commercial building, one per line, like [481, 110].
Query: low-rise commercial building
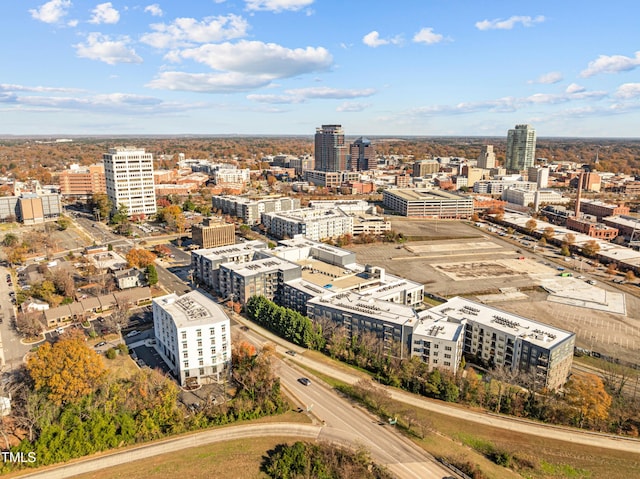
[315, 224]
[250, 210]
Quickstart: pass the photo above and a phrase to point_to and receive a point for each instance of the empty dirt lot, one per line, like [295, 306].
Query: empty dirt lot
[453, 258]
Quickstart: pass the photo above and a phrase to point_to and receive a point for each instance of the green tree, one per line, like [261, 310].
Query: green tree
[10, 240]
[152, 275]
[103, 205]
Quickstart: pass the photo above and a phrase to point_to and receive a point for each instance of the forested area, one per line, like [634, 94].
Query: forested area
[67, 404]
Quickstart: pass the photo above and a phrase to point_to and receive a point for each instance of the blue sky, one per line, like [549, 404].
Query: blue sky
[407, 67]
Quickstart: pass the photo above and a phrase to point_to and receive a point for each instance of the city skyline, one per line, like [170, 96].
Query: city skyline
[270, 67]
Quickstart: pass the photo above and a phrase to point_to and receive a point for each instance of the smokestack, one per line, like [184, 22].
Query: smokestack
[580, 178]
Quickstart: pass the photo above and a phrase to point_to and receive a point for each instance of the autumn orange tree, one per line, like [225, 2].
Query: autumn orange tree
[140, 258]
[66, 371]
[587, 399]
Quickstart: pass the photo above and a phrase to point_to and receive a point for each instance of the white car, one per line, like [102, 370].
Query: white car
[133, 333]
[591, 282]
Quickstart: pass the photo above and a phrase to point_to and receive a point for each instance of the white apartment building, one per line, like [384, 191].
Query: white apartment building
[193, 336]
[231, 175]
[129, 178]
[313, 224]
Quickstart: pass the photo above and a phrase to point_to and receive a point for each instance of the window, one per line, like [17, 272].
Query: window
[184, 335]
[186, 374]
[224, 328]
[447, 348]
[212, 331]
[199, 352]
[199, 343]
[185, 364]
[447, 363]
[224, 338]
[185, 354]
[199, 333]
[201, 371]
[436, 345]
[213, 350]
[201, 363]
[184, 345]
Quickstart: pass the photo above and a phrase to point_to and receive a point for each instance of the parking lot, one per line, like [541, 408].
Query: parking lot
[473, 262]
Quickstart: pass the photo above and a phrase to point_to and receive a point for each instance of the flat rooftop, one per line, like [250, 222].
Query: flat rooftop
[351, 302]
[540, 334]
[422, 194]
[191, 309]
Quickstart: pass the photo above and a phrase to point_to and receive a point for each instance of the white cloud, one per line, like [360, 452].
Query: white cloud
[331, 93]
[258, 58]
[300, 95]
[277, 6]
[352, 107]
[72, 23]
[628, 90]
[575, 88]
[188, 31]
[38, 89]
[548, 78]
[373, 40]
[105, 13]
[103, 48]
[52, 11]
[611, 64]
[154, 9]
[426, 35]
[208, 82]
[509, 23]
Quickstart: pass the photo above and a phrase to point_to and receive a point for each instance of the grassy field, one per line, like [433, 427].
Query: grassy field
[228, 460]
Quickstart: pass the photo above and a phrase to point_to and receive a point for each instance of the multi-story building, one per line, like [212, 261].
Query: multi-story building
[331, 179]
[590, 227]
[82, 182]
[211, 234]
[523, 197]
[521, 148]
[193, 336]
[362, 155]
[206, 262]
[497, 187]
[314, 224]
[487, 157]
[428, 203]
[600, 209]
[438, 341]
[330, 148]
[231, 175]
[423, 168]
[260, 277]
[498, 338]
[129, 178]
[31, 204]
[249, 210]
[539, 176]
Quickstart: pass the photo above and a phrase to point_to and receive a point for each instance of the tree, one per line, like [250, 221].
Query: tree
[66, 371]
[103, 205]
[63, 223]
[591, 248]
[548, 233]
[569, 239]
[630, 275]
[152, 275]
[587, 398]
[531, 225]
[140, 258]
[10, 240]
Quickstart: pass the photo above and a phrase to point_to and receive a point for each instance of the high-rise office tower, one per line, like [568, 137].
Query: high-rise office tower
[129, 176]
[487, 158]
[521, 148]
[363, 155]
[331, 150]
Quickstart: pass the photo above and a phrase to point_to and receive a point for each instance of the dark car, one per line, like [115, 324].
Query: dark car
[305, 381]
[291, 353]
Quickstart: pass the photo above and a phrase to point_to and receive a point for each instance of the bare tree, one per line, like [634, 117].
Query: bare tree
[30, 323]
